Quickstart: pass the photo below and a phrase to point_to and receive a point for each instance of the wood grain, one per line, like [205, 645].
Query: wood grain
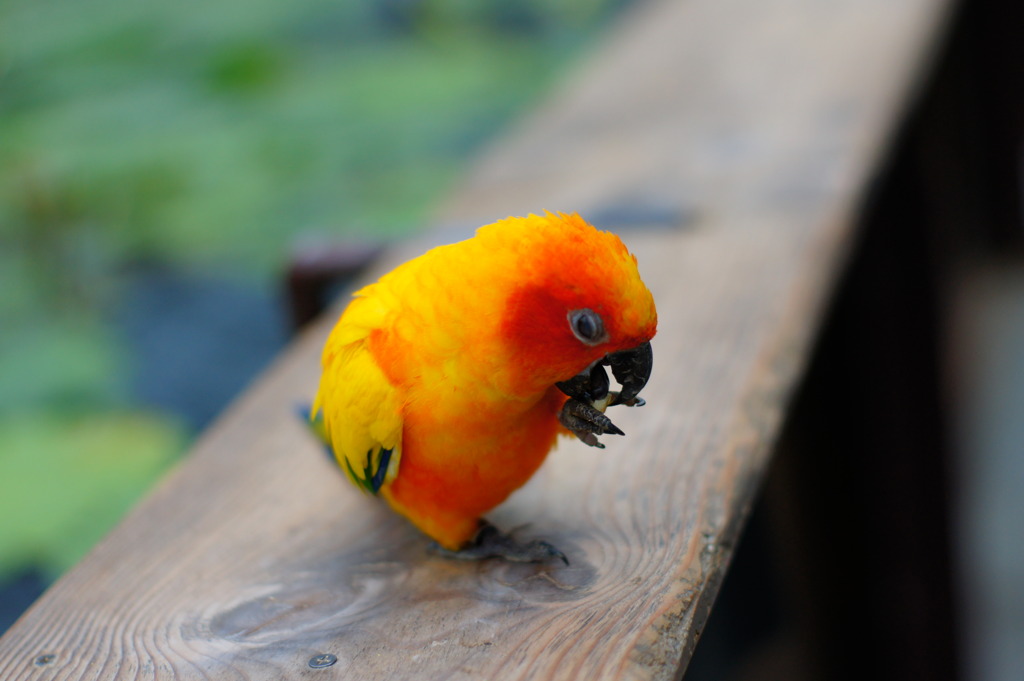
[735, 138]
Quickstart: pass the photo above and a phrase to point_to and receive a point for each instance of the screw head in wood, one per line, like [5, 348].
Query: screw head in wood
[43, 660]
[322, 660]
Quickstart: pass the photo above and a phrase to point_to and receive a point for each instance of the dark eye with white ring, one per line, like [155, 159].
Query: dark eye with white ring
[587, 326]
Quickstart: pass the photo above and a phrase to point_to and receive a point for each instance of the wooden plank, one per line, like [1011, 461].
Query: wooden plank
[748, 129]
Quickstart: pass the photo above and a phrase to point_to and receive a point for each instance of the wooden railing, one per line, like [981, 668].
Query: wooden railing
[731, 143]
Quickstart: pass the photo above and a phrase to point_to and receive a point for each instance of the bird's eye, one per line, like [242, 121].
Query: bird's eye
[587, 326]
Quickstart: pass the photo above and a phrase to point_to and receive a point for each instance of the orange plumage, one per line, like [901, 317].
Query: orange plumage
[438, 387]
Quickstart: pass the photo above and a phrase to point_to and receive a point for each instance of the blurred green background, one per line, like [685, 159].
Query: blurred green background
[157, 163]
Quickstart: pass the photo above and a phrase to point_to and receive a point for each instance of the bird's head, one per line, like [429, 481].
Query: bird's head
[577, 304]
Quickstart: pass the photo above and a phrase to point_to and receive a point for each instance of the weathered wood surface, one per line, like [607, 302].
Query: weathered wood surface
[748, 130]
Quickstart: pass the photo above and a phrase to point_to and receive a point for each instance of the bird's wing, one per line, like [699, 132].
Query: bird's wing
[361, 410]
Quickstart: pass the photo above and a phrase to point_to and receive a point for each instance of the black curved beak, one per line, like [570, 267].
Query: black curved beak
[631, 368]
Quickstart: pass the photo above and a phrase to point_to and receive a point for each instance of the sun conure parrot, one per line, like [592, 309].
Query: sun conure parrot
[446, 383]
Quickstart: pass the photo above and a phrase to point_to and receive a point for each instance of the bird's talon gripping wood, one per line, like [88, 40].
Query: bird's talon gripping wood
[490, 542]
[513, 326]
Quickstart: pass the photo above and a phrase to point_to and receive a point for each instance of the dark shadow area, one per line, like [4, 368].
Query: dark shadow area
[197, 340]
[849, 568]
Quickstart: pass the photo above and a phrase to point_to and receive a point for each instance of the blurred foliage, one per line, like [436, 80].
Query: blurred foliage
[98, 466]
[207, 134]
[213, 130]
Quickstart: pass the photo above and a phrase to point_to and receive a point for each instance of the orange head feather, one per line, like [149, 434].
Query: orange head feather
[564, 266]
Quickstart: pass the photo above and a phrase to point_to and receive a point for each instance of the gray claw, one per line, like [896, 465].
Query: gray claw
[586, 422]
[490, 542]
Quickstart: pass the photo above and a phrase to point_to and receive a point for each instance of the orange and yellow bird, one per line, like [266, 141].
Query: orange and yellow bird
[446, 382]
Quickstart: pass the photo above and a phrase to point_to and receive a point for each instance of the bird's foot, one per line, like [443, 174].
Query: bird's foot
[586, 421]
[490, 542]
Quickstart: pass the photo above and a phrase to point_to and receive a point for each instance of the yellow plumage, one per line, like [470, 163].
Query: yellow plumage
[438, 388]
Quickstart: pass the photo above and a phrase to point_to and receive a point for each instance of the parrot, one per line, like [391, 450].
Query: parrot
[446, 383]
